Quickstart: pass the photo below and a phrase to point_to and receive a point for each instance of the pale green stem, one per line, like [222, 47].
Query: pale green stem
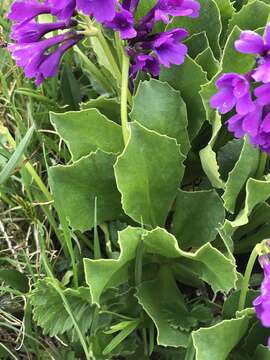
[248, 272]
[124, 96]
[262, 164]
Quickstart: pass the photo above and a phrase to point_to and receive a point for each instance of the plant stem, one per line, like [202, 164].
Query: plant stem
[262, 164]
[249, 268]
[124, 96]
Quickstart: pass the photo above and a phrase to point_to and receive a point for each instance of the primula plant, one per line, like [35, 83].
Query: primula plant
[135, 179]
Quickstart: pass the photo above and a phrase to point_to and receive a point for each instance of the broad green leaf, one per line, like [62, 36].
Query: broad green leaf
[197, 217]
[76, 187]
[216, 342]
[148, 174]
[257, 335]
[164, 303]
[208, 263]
[15, 279]
[208, 21]
[245, 18]
[244, 168]
[209, 159]
[188, 79]
[208, 62]
[159, 107]
[86, 131]
[17, 156]
[49, 311]
[257, 191]
[109, 107]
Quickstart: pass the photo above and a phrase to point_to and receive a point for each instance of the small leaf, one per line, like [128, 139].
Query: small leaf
[49, 311]
[86, 131]
[159, 107]
[16, 157]
[75, 188]
[197, 217]
[244, 168]
[208, 21]
[153, 296]
[188, 79]
[212, 340]
[15, 279]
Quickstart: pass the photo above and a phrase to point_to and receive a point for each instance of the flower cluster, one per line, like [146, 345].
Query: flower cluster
[39, 53]
[248, 94]
[146, 49]
[262, 302]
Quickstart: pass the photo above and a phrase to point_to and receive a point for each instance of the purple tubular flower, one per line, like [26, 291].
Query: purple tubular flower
[33, 31]
[102, 10]
[62, 9]
[168, 48]
[262, 302]
[166, 8]
[124, 23]
[234, 90]
[26, 10]
[146, 63]
[33, 58]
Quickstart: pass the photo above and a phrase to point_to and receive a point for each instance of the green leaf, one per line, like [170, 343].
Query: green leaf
[109, 107]
[148, 183]
[230, 306]
[188, 79]
[208, 62]
[209, 159]
[16, 157]
[208, 21]
[159, 107]
[244, 168]
[196, 44]
[226, 11]
[123, 334]
[262, 353]
[15, 279]
[86, 131]
[245, 18]
[163, 309]
[197, 217]
[70, 88]
[208, 263]
[257, 191]
[75, 188]
[49, 311]
[216, 342]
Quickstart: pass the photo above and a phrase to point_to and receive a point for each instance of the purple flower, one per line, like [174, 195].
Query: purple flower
[147, 63]
[252, 43]
[33, 31]
[262, 302]
[234, 90]
[102, 10]
[124, 23]
[166, 8]
[34, 59]
[26, 10]
[39, 56]
[168, 48]
[62, 9]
